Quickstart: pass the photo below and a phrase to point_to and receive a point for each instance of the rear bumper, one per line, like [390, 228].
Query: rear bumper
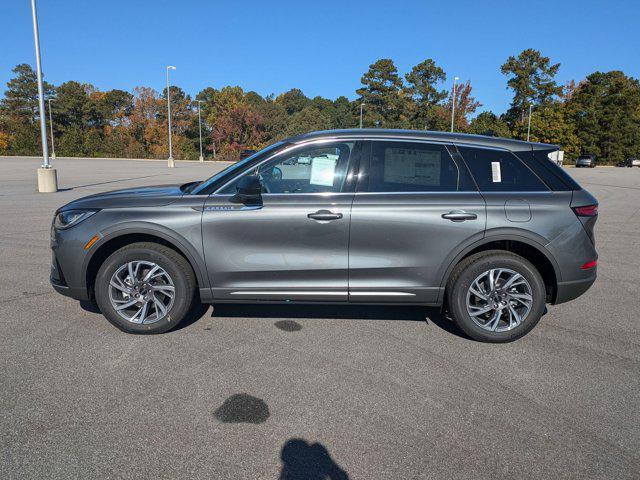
[567, 291]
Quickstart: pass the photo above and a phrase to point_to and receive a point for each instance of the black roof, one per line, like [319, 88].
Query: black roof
[458, 138]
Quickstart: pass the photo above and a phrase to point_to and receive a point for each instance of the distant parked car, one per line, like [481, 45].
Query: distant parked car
[586, 160]
[632, 162]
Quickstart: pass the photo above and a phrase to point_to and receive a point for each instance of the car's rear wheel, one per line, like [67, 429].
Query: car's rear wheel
[145, 288]
[496, 296]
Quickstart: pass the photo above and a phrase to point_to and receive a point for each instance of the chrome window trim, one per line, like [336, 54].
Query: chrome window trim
[432, 192]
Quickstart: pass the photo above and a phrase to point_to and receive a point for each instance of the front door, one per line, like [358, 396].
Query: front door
[414, 207]
[292, 246]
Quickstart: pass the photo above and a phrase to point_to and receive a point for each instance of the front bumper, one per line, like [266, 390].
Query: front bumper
[59, 283]
[67, 251]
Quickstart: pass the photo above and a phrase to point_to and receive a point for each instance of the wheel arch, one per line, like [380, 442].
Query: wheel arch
[528, 248]
[113, 241]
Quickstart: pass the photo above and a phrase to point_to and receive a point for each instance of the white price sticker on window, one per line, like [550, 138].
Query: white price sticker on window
[496, 176]
[322, 171]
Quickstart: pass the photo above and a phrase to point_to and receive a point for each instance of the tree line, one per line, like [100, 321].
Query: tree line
[599, 114]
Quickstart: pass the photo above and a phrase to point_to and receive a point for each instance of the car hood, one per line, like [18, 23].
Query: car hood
[155, 196]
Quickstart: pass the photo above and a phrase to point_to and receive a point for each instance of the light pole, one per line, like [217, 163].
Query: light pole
[53, 147]
[361, 106]
[529, 125]
[170, 162]
[453, 102]
[200, 130]
[47, 176]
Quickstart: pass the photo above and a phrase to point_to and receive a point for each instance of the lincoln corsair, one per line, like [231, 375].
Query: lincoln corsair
[487, 228]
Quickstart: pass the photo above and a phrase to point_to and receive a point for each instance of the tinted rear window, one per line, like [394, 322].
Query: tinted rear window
[500, 171]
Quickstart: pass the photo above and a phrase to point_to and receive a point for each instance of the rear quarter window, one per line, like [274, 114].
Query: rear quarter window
[500, 171]
[551, 173]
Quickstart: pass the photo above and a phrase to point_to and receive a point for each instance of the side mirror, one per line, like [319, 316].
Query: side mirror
[248, 190]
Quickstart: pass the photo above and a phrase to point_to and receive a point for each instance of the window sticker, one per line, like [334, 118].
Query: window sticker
[323, 170]
[496, 176]
[411, 166]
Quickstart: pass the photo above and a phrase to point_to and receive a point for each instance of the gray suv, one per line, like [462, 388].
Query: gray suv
[488, 228]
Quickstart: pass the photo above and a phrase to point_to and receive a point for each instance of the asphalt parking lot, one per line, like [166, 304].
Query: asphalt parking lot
[297, 392]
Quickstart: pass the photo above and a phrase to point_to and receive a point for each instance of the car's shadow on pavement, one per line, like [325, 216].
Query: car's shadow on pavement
[301, 311]
[347, 312]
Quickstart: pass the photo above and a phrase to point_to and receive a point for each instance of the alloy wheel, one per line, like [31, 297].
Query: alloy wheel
[499, 299]
[141, 292]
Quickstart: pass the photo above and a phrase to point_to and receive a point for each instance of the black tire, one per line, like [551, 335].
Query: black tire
[172, 262]
[469, 269]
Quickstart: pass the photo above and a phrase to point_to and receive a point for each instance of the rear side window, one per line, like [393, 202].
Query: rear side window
[500, 171]
[411, 167]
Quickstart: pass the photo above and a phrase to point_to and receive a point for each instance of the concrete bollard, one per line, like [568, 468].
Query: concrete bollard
[47, 180]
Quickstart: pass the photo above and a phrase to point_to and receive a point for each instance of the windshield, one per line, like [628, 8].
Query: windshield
[203, 187]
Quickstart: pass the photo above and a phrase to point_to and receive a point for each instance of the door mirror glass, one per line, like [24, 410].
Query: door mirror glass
[248, 190]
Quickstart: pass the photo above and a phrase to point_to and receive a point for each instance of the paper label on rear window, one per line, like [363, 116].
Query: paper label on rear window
[496, 176]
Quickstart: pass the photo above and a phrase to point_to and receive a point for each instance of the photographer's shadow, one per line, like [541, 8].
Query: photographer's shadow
[308, 461]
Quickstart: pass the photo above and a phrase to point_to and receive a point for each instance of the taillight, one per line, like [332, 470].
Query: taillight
[589, 265]
[586, 211]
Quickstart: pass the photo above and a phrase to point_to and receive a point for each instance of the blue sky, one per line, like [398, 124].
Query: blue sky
[321, 47]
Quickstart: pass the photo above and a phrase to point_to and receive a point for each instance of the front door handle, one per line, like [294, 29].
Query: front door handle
[324, 215]
[459, 216]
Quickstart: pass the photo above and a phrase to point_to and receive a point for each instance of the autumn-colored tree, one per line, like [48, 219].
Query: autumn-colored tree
[237, 129]
[466, 106]
[600, 114]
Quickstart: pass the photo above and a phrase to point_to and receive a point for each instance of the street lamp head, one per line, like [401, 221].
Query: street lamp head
[456, 78]
[170, 67]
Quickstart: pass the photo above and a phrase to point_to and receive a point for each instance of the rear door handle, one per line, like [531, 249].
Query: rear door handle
[459, 216]
[324, 215]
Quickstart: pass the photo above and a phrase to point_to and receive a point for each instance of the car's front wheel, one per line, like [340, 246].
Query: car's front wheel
[496, 296]
[145, 288]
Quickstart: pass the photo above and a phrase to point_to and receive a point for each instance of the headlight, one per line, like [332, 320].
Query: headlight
[69, 218]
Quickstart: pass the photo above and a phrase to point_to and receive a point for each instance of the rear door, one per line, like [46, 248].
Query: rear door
[414, 205]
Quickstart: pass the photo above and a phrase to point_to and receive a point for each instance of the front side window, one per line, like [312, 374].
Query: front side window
[206, 187]
[411, 167]
[312, 169]
[500, 171]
